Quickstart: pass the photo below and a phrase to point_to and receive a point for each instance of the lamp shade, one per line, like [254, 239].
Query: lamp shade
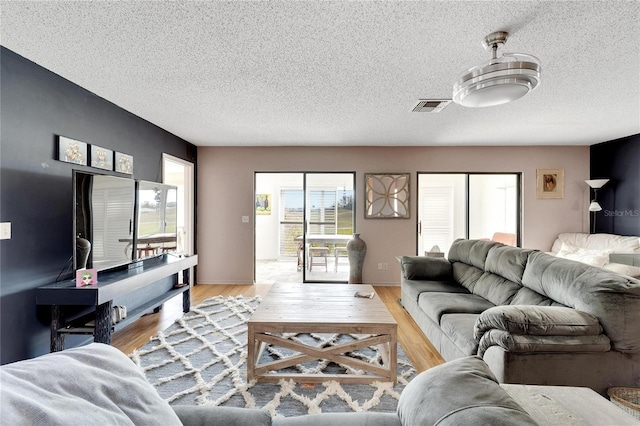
[594, 207]
[596, 183]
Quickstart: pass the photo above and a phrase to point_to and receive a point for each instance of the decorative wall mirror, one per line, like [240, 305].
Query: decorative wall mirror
[386, 196]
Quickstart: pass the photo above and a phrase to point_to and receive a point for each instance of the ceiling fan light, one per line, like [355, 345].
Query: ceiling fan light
[499, 80]
[491, 93]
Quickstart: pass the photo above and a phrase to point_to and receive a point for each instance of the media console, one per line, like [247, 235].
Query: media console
[111, 285]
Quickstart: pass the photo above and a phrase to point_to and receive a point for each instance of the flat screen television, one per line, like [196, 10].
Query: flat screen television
[103, 230]
[156, 227]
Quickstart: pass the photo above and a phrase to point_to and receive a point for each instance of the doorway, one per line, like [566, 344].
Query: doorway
[467, 205]
[180, 173]
[303, 221]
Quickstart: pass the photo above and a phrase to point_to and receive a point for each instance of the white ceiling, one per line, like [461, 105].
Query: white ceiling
[340, 73]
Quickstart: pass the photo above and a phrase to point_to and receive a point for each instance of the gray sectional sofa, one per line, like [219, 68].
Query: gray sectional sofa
[532, 317]
[99, 385]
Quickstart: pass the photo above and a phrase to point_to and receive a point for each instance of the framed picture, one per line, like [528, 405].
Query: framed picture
[550, 183]
[86, 277]
[386, 196]
[101, 158]
[263, 204]
[72, 151]
[124, 163]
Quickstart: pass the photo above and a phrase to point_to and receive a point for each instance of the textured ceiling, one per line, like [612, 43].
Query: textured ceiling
[340, 73]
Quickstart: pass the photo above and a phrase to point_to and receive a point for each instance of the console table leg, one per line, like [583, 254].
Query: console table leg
[57, 339]
[102, 332]
[186, 301]
[186, 296]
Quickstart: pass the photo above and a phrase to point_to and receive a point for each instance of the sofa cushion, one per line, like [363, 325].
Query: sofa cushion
[435, 304]
[612, 298]
[508, 262]
[199, 415]
[333, 419]
[428, 399]
[502, 278]
[459, 329]
[416, 288]
[526, 296]
[94, 384]
[425, 268]
[471, 252]
[496, 289]
[466, 275]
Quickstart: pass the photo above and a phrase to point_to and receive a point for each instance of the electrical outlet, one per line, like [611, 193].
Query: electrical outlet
[245, 219]
[5, 231]
[385, 267]
[379, 266]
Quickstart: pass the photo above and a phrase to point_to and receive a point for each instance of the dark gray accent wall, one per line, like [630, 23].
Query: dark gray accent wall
[36, 190]
[618, 160]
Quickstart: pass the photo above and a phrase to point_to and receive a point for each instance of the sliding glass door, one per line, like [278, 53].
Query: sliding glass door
[467, 205]
[302, 224]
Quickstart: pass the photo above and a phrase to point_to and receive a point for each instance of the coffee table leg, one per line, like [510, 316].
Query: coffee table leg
[389, 359]
[251, 357]
[383, 348]
[393, 356]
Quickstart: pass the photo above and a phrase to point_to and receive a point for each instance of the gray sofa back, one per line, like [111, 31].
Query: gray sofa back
[507, 275]
[612, 298]
[489, 269]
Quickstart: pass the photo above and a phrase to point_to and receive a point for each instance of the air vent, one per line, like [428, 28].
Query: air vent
[431, 105]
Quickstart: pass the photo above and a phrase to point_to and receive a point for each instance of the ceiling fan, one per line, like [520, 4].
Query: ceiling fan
[500, 80]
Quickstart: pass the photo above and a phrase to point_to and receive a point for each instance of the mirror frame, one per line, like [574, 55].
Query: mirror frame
[387, 196]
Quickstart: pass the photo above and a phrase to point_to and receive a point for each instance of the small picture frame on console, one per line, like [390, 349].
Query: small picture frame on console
[86, 277]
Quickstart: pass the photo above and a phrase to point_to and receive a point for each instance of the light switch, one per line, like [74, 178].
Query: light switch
[5, 231]
[245, 219]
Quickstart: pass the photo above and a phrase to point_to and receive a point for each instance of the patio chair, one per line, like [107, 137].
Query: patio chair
[338, 252]
[318, 256]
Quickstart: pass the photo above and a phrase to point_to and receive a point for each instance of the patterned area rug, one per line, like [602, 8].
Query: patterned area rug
[201, 360]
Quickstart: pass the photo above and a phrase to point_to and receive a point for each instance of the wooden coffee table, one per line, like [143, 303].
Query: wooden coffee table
[321, 308]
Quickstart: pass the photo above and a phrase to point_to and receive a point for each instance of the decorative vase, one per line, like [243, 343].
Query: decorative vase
[356, 250]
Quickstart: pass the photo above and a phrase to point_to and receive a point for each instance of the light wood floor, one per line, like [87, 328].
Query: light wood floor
[419, 350]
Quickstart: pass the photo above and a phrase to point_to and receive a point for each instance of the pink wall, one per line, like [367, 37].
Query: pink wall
[225, 194]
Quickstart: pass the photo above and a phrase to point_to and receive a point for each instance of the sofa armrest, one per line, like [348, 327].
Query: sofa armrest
[532, 328]
[537, 321]
[425, 268]
[530, 343]
[196, 415]
[462, 391]
[93, 384]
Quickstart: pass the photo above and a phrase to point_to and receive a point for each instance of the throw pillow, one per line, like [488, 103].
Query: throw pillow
[593, 257]
[622, 269]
